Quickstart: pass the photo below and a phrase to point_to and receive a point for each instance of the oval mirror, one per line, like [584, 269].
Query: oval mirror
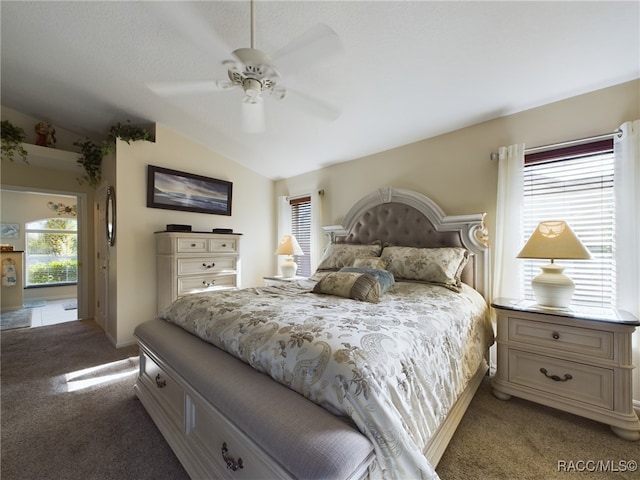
[110, 216]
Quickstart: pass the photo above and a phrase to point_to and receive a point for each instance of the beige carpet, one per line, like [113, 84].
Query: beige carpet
[68, 411]
[518, 439]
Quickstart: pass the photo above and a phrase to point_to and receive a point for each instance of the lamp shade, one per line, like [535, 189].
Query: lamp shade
[289, 246]
[554, 239]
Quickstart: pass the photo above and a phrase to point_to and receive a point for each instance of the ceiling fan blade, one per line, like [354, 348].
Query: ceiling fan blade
[316, 44]
[253, 120]
[312, 105]
[170, 89]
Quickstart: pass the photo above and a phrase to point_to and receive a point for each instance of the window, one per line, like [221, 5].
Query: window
[52, 252]
[301, 229]
[576, 184]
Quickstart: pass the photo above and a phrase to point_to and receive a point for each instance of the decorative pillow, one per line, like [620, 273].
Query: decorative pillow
[370, 262]
[358, 286]
[442, 266]
[338, 255]
[383, 277]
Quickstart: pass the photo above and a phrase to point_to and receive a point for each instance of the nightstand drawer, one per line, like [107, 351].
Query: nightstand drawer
[576, 381]
[205, 283]
[595, 343]
[195, 266]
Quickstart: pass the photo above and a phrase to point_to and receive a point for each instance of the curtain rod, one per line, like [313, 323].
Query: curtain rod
[568, 143]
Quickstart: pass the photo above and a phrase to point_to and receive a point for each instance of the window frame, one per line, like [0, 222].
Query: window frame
[591, 289]
[28, 254]
[298, 224]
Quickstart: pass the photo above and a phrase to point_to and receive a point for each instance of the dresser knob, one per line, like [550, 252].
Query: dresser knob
[555, 335]
[193, 244]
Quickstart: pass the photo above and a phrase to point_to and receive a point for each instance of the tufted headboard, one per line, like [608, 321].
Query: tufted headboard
[407, 218]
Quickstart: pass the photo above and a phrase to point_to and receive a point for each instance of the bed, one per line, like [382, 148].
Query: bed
[363, 370]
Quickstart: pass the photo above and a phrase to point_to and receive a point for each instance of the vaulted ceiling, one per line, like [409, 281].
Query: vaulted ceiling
[405, 70]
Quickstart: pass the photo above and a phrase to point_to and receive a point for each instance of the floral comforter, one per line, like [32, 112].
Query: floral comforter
[394, 368]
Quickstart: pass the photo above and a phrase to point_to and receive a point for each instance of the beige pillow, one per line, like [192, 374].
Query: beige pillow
[376, 263]
[442, 266]
[338, 255]
[358, 286]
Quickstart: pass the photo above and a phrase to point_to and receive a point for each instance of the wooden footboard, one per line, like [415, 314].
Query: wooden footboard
[438, 444]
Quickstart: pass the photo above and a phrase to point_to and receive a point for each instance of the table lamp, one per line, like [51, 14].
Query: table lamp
[554, 240]
[289, 246]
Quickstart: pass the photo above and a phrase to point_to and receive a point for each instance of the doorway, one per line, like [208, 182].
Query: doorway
[49, 299]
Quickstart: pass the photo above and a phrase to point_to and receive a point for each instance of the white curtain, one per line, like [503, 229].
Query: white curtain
[627, 191]
[318, 240]
[284, 224]
[508, 237]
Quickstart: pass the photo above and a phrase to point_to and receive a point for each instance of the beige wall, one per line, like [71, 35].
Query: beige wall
[252, 215]
[455, 169]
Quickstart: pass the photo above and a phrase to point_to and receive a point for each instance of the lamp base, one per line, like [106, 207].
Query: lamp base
[289, 267]
[553, 288]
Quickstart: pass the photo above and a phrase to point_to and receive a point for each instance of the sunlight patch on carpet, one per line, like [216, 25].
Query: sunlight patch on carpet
[100, 374]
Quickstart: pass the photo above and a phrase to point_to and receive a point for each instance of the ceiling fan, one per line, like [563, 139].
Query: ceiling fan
[255, 73]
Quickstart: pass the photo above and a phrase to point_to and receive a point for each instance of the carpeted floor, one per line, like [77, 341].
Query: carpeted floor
[15, 319]
[68, 411]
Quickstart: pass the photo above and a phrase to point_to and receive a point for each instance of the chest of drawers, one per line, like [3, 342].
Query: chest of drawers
[575, 360]
[190, 262]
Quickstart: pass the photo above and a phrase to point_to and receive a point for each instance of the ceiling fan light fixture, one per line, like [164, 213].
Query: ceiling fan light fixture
[252, 87]
[253, 119]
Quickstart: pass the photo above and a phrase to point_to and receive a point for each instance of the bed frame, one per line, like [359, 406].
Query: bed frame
[212, 418]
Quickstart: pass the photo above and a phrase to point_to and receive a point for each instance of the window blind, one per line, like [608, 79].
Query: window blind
[301, 229]
[578, 187]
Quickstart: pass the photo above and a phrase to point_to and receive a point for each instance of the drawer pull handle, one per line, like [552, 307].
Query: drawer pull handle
[193, 245]
[231, 463]
[160, 383]
[555, 335]
[211, 265]
[556, 378]
[208, 284]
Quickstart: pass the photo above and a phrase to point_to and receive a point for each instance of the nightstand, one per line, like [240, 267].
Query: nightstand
[576, 359]
[279, 279]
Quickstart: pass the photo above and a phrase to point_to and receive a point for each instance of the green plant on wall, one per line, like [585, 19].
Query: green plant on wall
[92, 153]
[91, 161]
[12, 139]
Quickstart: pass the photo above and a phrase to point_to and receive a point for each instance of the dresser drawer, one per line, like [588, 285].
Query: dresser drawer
[162, 386]
[191, 245]
[205, 283]
[594, 343]
[195, 266]
[576, 381]
[209, 433]
[223, 245]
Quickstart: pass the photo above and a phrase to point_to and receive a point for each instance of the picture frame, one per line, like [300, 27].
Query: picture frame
[9, 230]
[174, 190]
